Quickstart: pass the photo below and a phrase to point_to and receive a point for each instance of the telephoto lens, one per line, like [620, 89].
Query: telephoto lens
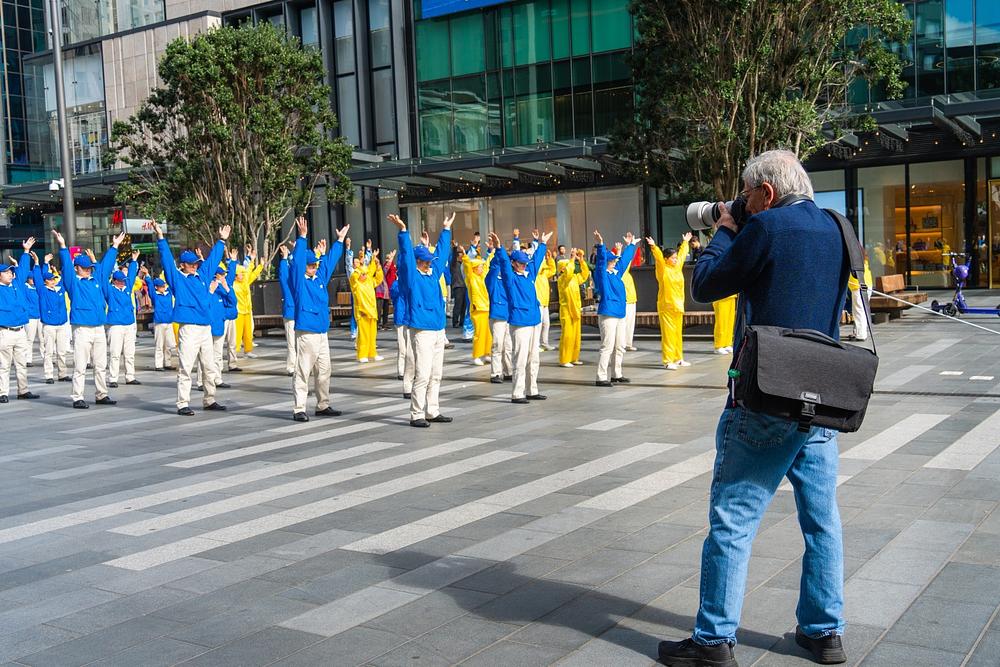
[702, 215]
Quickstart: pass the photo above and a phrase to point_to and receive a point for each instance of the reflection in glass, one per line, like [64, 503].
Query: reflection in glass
[988, 43]
[930, 48]
[308, 27]
[343, 24]
[959, 40]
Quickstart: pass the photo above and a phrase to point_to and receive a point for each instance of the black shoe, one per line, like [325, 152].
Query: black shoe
[407, 396]
[508, 378]
[79, 405]
[215, 406]
[537, 397]
[4, 399]
[399, 377]
[519, 401]
[159, 370]
[235, 370]
[690, 654]
[420, 423]
[132, 382]
[602, 383]
[201, 387]
[185, 412]
[113, 385]
[300, 417]
[65, 378]
[328, 412]
[223, 385]
[30, 364]
[49, 381]
[496, 379]
[828, 650]
[621, 380]
[441, 419]
[27, 395]
[449, 346]
[291, 375]
[105, 401]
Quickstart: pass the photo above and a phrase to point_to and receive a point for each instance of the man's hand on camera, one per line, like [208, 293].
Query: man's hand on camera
[725, 219]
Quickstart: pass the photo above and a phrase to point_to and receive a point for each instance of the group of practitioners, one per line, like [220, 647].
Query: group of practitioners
[202, 312]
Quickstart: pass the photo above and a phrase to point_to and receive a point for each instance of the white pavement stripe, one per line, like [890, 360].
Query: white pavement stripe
[605, 425]
[115, 425]
[456, 517]
[209, 486]
[888, 441]
[935, 348]
[237, 502]
[38, 452]
[970, 450]
[143, 560]
[646, 487]
[982, 378]
[901, 377]
[952, 373]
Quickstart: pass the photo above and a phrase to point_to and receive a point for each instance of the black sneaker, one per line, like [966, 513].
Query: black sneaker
[419, 423]
[105, 401]
[441, 419]
[508, 378]
[519, 401]
[828, 650]
[113, 385]
[496, 379]
[449, 346]
[399, 377]
[27, 396]
[65, 378]
[235, 370]
[4, 399]
[79, 405]
[185, 412]
[215, 406]
[328, 412]
[537, 397]
[300, 417]
[132, 382]
[407, 396]
[159, 370]
[49, 381]
[201, 387]
[621, 380]
[690, 654]
[602, 383]
[223, 385]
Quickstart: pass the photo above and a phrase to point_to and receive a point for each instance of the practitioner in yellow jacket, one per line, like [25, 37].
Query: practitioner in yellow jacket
[475, 270]
[364, 280]
[573, 273]
[245, 277]
[546, 272]
[725, 322]
[670, 300]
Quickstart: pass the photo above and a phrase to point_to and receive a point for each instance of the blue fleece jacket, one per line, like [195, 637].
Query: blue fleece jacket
[31, 300]
[88, 307]
[399, 309]
[287, 295]
[163, 304]
[787, 263]
[312, 296]
[229, 305]
[425, 307]
[499, 305]
[525, 310]
[222, 299]
[192, 300]
[13, 305]
[51, 302]
[610, 284]
[121, 306]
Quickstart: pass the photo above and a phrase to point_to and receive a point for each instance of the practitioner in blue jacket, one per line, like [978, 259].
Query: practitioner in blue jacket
[56, 332]
[419, 276]
[500, 354]
[404, 358]
[223, 302]
[13, 320]
[121, 327]
[287, 309]
[164, 345]
[518, 272]
[309, 280]
[34, 328]
[608, 280]
[193, 286]
[84, 281]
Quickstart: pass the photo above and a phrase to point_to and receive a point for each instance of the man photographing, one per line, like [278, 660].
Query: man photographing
[788, 264]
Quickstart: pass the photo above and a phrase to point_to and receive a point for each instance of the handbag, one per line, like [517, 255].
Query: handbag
[803, 375]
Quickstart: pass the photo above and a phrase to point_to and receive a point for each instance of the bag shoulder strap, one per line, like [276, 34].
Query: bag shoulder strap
[857, 262]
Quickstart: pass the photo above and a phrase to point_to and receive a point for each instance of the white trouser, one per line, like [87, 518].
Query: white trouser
[13, 350]
[195, 347]
[33, 330]
[526, 358]
[289, 346]
[404, 358]
[546, 321]
[57, 343]
[164, 345]
[229, 338]
[629, 323]
[858, 313]
[312, 352]
[90, 346]
[500, 362]
[428, 365]
[612, 345]
[121, 343]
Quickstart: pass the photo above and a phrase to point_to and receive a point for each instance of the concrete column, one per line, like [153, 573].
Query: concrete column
[564, 220]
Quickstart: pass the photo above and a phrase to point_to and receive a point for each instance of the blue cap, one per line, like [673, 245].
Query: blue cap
[159, 282]
[220, 271]
[118, 275]
[6, 267]
[423, 253]
[189, 257]
[520, 256]
[83, 261]
[48, 275]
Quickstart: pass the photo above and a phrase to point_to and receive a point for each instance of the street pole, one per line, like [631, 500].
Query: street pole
[69, 206]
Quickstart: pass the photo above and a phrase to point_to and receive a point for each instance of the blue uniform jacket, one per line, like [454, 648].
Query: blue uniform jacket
[31, 300]
[51, 302]
[525, 311]
[499, 306]
[610, 285]
[88, 307]
[231, 309]
[312, 297]
[425, 307]
[163, 304]
[399, 313]
[192, 300]
[287, 296]
[13, 305]
[121, 305]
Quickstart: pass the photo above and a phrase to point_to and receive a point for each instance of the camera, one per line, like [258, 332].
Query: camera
[702, 215]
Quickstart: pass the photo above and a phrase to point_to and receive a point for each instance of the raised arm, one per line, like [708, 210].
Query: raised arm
[333, 255]
[109, 261]
[628, 254]
[170, 272]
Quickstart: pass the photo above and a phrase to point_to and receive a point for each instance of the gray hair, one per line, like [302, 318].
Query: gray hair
[782, 170]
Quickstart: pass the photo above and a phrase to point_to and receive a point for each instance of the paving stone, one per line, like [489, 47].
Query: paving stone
[987, 652]
[888, 654]
[450, 643]
[505, 653]
[937, 623]
[17, 643]
[102, 644]
[981, 548]
[964, 582]
[163, 651]
[260, 648]
[429, 612]
[353, 647]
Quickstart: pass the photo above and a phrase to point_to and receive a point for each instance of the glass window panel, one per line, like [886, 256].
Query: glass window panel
[563, 117]
[611, 25]
[958, 38]
[508, 213]
[535, 121]
[929, 62]
[611, 67]
[385, 107]
[506, 37]
[988, 43]
[545, 218]
[532, 33]
[905, 52]
[937, 220]
[583, 114]
[883, 197]
[560, 29]
[582, 74]
[510, 121]
[467, 53]
[580, 26]
[492, 41]
[343, 23]
[308, 27]
[347, 109]
[471, 120]
[561, 75]
[436, 119]
[614, 211]
[378, 24]
[494, 131]
[611, 107]
[433, 61]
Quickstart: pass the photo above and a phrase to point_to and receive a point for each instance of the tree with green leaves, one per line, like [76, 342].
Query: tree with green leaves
[720, 80]
[240, 133]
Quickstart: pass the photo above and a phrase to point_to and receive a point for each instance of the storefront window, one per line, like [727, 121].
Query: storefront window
[936, 220]
[882, 193]
[988, 43]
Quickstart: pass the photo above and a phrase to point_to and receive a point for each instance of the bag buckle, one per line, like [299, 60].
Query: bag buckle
[808, 412]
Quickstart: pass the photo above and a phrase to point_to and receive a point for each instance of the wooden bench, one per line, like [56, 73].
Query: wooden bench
[895, 285]
[650, 320]
[262, 324]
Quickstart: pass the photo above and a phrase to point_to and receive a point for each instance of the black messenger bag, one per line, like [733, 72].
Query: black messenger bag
[803, 375]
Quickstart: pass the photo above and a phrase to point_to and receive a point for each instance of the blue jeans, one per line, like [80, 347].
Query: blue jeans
[754, 452]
